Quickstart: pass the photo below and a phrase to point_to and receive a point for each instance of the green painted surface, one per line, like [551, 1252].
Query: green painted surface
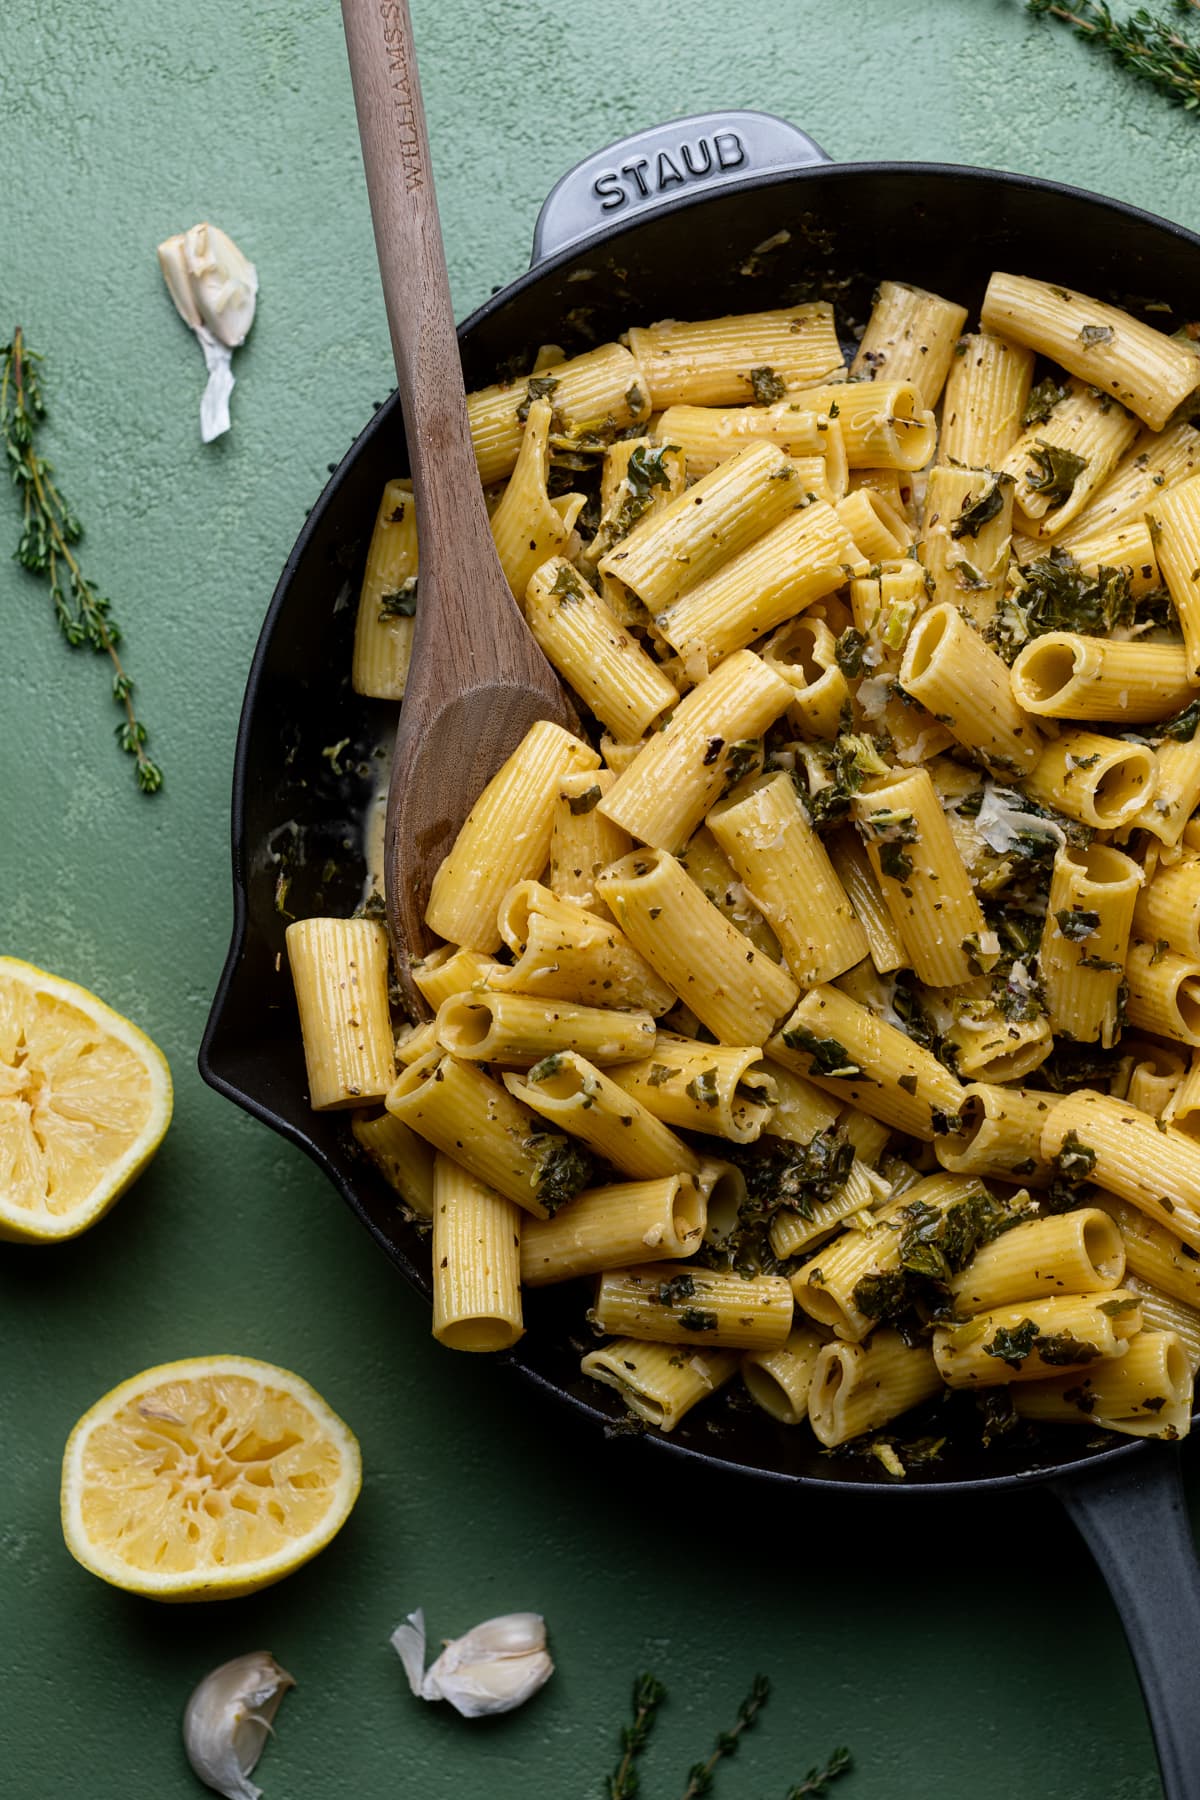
[963, 1652]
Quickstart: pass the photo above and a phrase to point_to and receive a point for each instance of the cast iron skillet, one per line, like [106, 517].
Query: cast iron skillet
[673, 222]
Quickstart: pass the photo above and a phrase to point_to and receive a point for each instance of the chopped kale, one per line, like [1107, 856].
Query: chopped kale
[584, 803]
[782, 1176]
[741, 758]
[981, 509]
[646, 469]
[849, 652]
[538, 387]
[1078, 924]
[660, 1072]
[934, 1244]
[566, 583]
[1075, 1161]
[401, 603]
[703, 1089]
[767, 385]
[1060, 1350]
[850, 761]
[1041, 402]
[829, 1058]
[1100, 963]
[1053, 593]
[1057, 472]
[696, 1318]
[678, 1287]
[1013, 1346]
[1181, 728]
[564, 1168]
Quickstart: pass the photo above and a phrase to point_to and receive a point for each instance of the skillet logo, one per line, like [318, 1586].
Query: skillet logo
[647, 175]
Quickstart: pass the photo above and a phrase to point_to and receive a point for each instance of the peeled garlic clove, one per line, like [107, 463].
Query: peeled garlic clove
[228, 1719]
[223, 283]
[215, 290]
[492, 1669]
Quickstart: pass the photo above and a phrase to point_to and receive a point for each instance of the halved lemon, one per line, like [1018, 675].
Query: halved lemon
[205, 1479]
[85, 1098]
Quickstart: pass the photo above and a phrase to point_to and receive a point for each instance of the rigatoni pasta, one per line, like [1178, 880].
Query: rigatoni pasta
[846, 988]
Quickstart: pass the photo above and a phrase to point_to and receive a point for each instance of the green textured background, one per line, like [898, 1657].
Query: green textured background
[971, 1652]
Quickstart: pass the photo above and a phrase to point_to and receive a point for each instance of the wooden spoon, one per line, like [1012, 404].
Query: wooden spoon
[478, 680]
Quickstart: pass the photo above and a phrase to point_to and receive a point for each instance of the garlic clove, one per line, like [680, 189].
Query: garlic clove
[228, 1718]
[223, 283]
[215, 290]
[493, 1668]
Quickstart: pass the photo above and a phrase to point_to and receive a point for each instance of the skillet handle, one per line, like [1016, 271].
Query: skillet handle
[651, 168]
[1134, 1520]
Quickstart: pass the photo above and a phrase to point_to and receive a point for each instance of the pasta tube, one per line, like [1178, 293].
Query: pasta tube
[1154, 1252]
[476, 1261]
[730, 986]
[577, 1097]
[1062, 461]
[986, 391]
[1155, 461]
[853, 869]
[1168, 909]
[707, 1306]
[723, 1089]
[565, 952]
[799, 1110]
[1085, 941]
[797, 562]
[340, 973]
[998, 1134]
[593, 397]
[966, 538]
[699, 530]
[656, 1383]
[1101, 781]
[684, 768]
[605, 666]
[750, 356]
[527, 526]
[488, 856]
[1161, 1313]
[710, 435]
[792, 1232]
[924, 880]
[467, 1116]
[764, 830]
[1062, 675]
[606, 1227]
[403, 1159]
[1155, 1076]
[1109, 1142]
[779, 1380]
[1147, 1393]
[1146, 370]
[804, 654]
[877, 529]
[582, 840]
[1079, 1252]
[1176, 790]
[910, 336]
[1164, 993]
[383, 629]
[447, 971]
[884, 424]
[638, 478]
[708, 866]
[858, 1387]
[518, 1029]
[846, 1050]
[1025, 1342]
[952, 672]
[1182, 1106]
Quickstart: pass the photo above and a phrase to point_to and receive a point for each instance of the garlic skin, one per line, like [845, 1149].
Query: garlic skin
[228, 1718]
[215, 290]
[492, 1669]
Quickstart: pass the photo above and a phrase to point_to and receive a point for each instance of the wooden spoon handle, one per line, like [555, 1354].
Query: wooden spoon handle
[456, 540]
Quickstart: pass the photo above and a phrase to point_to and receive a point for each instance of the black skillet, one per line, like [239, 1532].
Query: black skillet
[681, 221]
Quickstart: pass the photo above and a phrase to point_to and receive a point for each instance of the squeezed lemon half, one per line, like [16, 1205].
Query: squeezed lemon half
[85, 1098]
[205, 1479]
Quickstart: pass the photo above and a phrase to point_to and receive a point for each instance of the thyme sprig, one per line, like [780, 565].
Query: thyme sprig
[700, 1775]
[1143, 44]
[48, 531]
[649, 1694]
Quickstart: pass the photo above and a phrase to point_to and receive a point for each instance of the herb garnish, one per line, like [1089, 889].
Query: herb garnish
[850, 761]
[585, 802]
[1096, 334]
[1042, 400]
[564, 1167]
[1078, 924]
[1057, 472]
[767, 385]
[848, 652]
[829, 1058]
[934, 1244]
[49, 529]
[1144, 45]
[538, 387]
[1013, 1346]
[981, 509]
[401, 603]
[1054, 594]
[703, 1089]
[1182, 727]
